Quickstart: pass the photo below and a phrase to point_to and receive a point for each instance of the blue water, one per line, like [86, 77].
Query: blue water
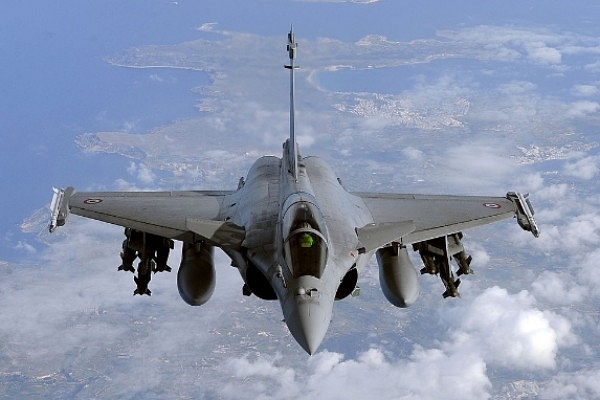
[57, 86]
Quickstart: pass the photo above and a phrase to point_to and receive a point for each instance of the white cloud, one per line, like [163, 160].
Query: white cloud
[481, 257]
[412, 154]
[508, 43]
[475, 166]
[495, 328]
[129, 126]
[585, 90]
[573, 385]
[509, 330]
[532, 182]
[558, 288]
[145, 174]
[305, 141]
[582, 108]
[589, 271]
[592, 67]
[574, 234]
[582, 230]
[544, 54]
[553, 192]
[22, 245]
[371, 375]
[156, 78]
[585, 168]
[96, 316]
[141, 172]
[207, 27]
[76, 298]
[517, 88]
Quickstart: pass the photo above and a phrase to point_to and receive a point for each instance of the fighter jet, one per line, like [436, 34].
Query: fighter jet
[295, 234]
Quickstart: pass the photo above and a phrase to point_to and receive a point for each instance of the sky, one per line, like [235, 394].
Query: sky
[474, 98]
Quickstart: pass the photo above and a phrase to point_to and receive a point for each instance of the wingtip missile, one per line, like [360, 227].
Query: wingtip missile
[59, 207]
[524, 212]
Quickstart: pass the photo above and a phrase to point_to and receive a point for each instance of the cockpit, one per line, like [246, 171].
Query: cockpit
[306, 252]
[305, 247]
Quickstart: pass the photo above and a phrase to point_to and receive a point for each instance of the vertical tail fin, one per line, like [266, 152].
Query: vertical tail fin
[292, 148]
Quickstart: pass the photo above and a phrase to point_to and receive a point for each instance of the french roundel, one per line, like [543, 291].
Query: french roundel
[492, 205]
[92, 201]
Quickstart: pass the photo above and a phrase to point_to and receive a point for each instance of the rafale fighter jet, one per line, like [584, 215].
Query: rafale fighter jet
[294, 233]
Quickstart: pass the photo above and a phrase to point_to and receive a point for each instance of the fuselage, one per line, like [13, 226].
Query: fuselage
[301, 236]
[301, 244]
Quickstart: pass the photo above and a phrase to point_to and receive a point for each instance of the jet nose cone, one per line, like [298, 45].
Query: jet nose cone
[308, 317]
[310, 326]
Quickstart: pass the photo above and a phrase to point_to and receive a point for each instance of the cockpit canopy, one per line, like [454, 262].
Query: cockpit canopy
[306, 252]
[305, 246]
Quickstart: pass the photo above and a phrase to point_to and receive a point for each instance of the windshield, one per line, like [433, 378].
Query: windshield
[306, 252]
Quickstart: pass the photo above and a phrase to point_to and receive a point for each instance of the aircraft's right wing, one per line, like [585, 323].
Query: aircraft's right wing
[439, 215]
[176, 215]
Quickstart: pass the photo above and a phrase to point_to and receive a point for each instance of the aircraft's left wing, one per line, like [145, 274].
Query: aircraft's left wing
[434, 224]
[439, 215]
[176, 215]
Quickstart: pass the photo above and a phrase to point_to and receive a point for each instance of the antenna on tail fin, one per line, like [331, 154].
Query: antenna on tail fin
[292, 148]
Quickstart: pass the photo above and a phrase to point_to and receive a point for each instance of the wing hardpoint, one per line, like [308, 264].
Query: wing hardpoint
[436, 216]
[175, 215]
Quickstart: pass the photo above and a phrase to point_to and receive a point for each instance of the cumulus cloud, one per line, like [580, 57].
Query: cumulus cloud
[544, 54]
[559, 288]
[532, 181]
[412, 153]
[585, 168]
[582, 108]
[496, 328]
[509, 330]
[585, 90]
[575, 234]
[74, 297]
[328, 375]
[475, 165]
[156, 78]
[573, 385]
[516, 87]
[589, 272]
[511, 43]
[552, 192]
[141, 172]
[306, 141]
[27, 247]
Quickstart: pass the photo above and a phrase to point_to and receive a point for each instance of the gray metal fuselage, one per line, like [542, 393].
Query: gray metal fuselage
[264, 206]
